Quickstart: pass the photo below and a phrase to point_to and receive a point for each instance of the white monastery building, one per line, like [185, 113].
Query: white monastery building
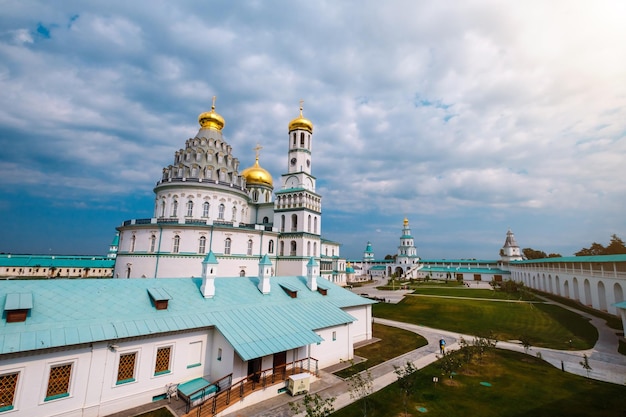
[204, 202]
[250, 293]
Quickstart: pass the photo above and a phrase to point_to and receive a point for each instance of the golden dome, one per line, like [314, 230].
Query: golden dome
[211, 120]
[406, 222]
[301, 123]
[255, 175]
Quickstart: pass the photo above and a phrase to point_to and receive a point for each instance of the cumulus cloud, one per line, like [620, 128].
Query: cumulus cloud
[466, 117]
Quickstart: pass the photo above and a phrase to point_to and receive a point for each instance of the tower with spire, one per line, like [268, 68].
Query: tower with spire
[510, 251]
[298, 208]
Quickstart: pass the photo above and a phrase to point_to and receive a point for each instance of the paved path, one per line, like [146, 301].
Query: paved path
[606, 363]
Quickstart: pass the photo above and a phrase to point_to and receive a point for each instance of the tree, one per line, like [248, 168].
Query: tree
[405, 382]
[314, 406]
[449, 363]
[554, 255]
[530, 253]
[361, 385]
[525, 342]
[616, 246]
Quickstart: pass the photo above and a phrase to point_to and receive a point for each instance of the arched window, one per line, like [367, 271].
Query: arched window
[202, 245]
[227, 246]
[282, 248]
[294, 139]
[243, 211]
[294, 222]
[314, 248]
[189, 208]
[282, 223]
[174, 208]
[152, 243]
[220, 214]
[302, 139]
[255, 195]
[315, 225]
[176, 247]
[308, 248]
[249, 252]
[234, 214]
[242, 273]
[132, 243]
[294, 248]
[308, 224]
[270, 247]
[266, 220]
[162, 208]
[205, 209]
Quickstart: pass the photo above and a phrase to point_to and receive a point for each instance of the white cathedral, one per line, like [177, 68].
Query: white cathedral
[205, 203]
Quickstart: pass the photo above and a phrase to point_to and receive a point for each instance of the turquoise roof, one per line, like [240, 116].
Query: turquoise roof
[57, 261]
[461, 269]
[597, 258]
[69, 312]
[210, 258]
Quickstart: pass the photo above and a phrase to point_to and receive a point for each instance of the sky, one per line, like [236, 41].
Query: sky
[469, 118]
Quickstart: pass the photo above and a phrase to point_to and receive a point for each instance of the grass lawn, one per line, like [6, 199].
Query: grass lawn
[161, 412]
[394, 342]
[612, 321]
[475, 293]
[520, 385]
[545, 325]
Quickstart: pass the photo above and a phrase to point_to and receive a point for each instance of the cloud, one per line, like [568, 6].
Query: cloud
[471, 117]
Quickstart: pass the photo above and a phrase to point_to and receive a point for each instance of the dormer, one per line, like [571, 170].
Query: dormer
[159, 297]
[17, 306]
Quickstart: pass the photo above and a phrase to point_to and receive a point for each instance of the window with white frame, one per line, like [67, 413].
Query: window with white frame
[8, 387]
[227, 246]
[175, 208]
[220, 214]
[249, 251]
[126, 368]
[194, 354]
[162, 361]
[152, 243]
[59, 382]
[189, 208]
[176, 246]
[202, 245]
[205, 209]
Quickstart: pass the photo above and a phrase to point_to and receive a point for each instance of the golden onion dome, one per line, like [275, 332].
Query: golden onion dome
[406, 222]
[211, 120]
[301, 123]
[255, 175]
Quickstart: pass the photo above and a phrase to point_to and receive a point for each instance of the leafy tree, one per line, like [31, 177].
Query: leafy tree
[361, 385]
[530, 253]
[555, 255]
[390, 257]
[525, 342]
[616, 246]
[449, 363]
[314, 406]
[405, 382]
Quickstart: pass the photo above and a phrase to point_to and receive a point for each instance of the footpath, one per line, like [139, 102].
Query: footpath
[605, 362]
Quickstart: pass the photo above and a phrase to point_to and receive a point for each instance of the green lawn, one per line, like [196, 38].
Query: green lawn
[475, 293]
[521, 385]
[393, 342]
[612, 321]
[545, 325]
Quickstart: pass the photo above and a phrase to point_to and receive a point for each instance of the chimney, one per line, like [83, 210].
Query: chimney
[265, 271]
[209, 266]
[311, 274]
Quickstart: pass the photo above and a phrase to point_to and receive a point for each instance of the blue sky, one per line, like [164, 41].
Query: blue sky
[467, 117]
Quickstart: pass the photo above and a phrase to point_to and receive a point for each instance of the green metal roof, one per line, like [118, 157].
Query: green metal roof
[57, 261]
[68, 312]
[597, 258]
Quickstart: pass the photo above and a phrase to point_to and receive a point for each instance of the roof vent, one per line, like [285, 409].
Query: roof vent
[322, 290]
[159, 297]
[17, 306]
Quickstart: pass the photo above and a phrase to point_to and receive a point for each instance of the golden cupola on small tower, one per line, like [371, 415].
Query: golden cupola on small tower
[257, 175]
[301, 122]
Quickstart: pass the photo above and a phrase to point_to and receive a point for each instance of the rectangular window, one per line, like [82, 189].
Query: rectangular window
[8, 385]
[219, 354]
[162, 363]
[126, 368]
[334, 336]
[59, 382]
[195, 354]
